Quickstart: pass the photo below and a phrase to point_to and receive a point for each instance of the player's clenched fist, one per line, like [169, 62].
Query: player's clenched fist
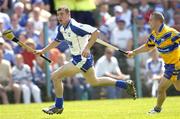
[38, 52]
[85, 52]
[130, 54]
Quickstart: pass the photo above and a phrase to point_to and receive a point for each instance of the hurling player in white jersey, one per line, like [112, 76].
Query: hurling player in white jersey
[80, 38]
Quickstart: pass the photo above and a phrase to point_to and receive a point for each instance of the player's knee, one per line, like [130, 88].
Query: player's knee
[94, 83]
[161, 89]
[177, 88]
[55, 77]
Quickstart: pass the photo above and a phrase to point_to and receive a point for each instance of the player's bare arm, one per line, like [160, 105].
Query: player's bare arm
[141, 49]
[49, 47]
[91, 42]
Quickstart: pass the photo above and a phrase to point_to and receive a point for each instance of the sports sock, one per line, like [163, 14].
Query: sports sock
[59, 102]
[121, 84]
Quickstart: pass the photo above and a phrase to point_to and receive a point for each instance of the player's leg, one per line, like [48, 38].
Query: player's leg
[163, 86]
[107, 81]
[175, 78]
[177, 85]
[100, 81]
[64, 71]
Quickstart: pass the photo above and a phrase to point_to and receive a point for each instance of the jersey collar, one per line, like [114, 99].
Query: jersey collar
[65, 27]
[161, 27]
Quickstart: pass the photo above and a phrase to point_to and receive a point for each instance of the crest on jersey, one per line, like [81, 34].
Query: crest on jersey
[69, 34]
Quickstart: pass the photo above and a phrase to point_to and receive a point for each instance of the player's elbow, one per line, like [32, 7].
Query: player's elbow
[96, 33]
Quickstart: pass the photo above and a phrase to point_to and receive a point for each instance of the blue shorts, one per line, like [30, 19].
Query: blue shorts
[83, 63]
[171, 73]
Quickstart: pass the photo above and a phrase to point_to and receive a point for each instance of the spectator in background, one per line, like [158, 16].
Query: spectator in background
[28, 55]
[27, 5]
[177, 21]
[143, 29]
[170, 11]
[142, 35]
[177, 17]
[111, 23]
[52, 31]
[39, 74]
[135, 14]
[126, 15]
[6, 82]
[30, 33]
[4, 5]
[5, 21]
[37, 20]
[22, 37]
[107, 65]
[177, 8]
[144, 6]
[16, 28]
[103, 14]
[122, 38]
[22, 76]
[47, 4]
[8, 53]
[19, 10]
[102, 17]
[154, 71]
[44, 14]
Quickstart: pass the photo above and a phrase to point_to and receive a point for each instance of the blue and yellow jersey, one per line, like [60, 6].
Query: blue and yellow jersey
[167, 42]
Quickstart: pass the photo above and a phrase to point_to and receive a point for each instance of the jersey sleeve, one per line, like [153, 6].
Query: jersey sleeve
[82, 29]
[150, 42]
[88, 28]
[175, 36]
[59, 36]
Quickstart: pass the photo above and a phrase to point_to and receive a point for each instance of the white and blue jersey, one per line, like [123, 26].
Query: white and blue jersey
[77, 36]
[155, 67]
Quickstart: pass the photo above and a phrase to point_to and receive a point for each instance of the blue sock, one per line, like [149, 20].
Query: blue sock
[121, 84]
[59, 102]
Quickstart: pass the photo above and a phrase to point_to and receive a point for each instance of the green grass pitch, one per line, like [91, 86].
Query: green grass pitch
[97, 109]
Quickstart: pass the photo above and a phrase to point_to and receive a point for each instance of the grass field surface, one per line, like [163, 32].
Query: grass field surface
[97, 109]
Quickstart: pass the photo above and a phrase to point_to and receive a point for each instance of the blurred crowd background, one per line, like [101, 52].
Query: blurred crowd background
[23, 76]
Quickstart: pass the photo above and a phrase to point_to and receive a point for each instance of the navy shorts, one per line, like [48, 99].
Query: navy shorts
[83, 63]
[171, 72]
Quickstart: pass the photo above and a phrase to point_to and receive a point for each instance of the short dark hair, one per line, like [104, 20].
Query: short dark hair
[158, 16]
[65, 8]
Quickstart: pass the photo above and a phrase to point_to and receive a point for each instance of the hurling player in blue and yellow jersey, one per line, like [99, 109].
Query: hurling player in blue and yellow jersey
[166, 40]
